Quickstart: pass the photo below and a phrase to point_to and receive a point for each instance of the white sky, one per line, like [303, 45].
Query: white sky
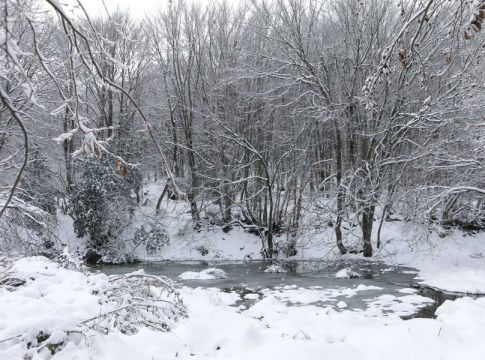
[137, 8]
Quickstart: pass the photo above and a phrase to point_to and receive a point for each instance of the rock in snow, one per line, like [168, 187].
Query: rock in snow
[347, 273]
[207, 274]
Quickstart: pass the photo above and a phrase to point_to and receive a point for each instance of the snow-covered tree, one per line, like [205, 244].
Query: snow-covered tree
[102, 203]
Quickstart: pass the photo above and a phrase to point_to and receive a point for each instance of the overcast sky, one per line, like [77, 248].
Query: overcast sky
[137, 7]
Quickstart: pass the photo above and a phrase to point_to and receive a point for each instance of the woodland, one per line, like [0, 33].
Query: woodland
[252, 114]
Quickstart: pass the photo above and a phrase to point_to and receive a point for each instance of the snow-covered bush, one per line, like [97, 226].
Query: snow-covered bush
[154, 239]
[214, 215]
[288, 248]
[185, 229]
[202, 250]
[28, 225]
[139, 300]
[101, 203]
[47, 308]
[28, 230]
[117, 252]
[69, 261]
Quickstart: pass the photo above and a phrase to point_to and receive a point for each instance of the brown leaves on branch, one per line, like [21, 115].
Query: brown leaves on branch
[476, 21]
[121, 168]
[402, 58]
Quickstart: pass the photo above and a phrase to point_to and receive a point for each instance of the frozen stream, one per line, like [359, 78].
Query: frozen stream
[379, 289]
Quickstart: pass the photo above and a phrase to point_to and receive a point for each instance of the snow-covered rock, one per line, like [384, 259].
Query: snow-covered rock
[347, 273]
[207, 274]
[342, 305]
[251, 296]
[275, 269]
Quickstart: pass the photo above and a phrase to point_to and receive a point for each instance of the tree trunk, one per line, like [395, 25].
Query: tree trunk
[68, 150]
[367, 223]
[340, 194]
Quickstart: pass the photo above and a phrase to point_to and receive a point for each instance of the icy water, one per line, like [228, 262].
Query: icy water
[252, 275]
[314, 276]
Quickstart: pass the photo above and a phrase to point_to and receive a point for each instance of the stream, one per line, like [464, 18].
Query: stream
[380, 281]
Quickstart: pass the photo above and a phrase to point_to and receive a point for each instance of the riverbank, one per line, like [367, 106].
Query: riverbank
[41, 315]
[449, 259]
[454, 262]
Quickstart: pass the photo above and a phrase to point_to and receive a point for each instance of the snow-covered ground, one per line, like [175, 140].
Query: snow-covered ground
[54, 300]
[454, 263]
[46, 307]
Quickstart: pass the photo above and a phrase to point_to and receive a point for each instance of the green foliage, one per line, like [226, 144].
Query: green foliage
[102, 204]
[154, 239]
[53, 348]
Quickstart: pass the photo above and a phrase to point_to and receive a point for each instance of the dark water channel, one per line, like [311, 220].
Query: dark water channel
[250, 277]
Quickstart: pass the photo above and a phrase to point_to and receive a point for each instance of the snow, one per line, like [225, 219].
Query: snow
[284, 322]
[454, 263]
[275, 269]
[304, 296]
[208, 274]
[461, 279]
[251, 296]
[54, 299]
[347, 273]
[401, 306]
[408, 291]
[57, 303]
[66, 136]
[342, 305]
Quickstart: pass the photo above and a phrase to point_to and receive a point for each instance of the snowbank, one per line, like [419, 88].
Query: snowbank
[455, 263]
[46, 308]
[273, 330]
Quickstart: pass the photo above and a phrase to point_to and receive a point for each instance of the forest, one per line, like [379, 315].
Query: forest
[255, 130]
[256, 114]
